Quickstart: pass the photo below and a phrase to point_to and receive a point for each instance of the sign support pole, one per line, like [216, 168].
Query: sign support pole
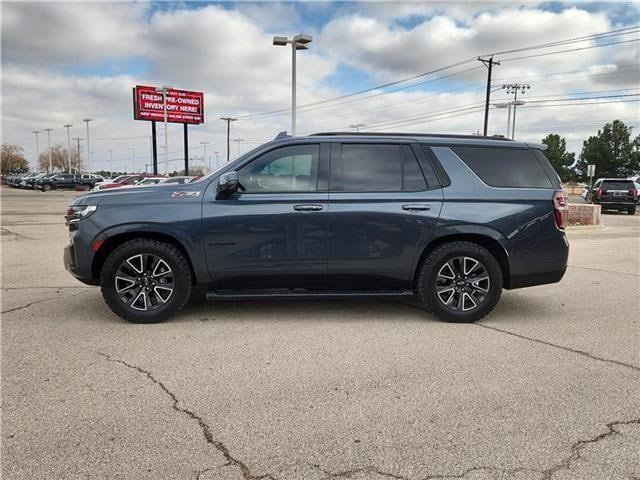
[186, 148]
[154, 147]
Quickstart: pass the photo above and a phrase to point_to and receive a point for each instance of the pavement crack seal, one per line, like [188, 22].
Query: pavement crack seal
[562, 347]
[48, 299]
[565, 464]
[206, 430]
[354, 471]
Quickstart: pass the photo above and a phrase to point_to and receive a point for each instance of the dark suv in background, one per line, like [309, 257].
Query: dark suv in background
[450, 219]
[614, 194]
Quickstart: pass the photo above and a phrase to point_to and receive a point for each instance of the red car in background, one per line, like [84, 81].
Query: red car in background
[126, 181]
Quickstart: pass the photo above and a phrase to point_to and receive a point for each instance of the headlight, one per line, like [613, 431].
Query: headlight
[75, 213]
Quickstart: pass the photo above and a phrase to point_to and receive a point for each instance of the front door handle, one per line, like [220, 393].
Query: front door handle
[416, 207]
[307, 208]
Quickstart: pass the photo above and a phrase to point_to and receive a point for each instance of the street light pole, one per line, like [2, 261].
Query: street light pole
[204, 158]
[87, 120]
[111, 163]
[238, 140]
[164, 90]
[299, 42]
[36, 132]
[68, 126]
[357, 126]
[48, 130]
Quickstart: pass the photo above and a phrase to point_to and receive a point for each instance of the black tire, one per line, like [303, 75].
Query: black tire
[146, 249]
[428, 278]
[631, 210]
[46, 188]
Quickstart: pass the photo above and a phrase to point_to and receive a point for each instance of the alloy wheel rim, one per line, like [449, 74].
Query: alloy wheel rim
[462, 284]
[144, 282]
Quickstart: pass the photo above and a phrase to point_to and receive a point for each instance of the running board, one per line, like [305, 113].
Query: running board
[302, 293]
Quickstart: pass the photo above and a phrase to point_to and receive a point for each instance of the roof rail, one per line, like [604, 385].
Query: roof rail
[394, 134]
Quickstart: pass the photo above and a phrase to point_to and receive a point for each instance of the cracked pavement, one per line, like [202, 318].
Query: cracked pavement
[547, 387]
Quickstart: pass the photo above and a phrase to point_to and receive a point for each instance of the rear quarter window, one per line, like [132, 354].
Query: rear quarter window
[505, 167]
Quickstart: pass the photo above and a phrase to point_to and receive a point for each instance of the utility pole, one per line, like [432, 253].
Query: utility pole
[489, 63]
[87, 120]
[48, 130]
[78, 140]
[217, 154]
[228, 120]
[68, 126]
[358, 126]
[36, 132]
[515, 88]
[111, 163]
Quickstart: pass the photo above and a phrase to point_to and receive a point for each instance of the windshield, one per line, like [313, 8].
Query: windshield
[224, 165]
[119, 178]
[617, 184]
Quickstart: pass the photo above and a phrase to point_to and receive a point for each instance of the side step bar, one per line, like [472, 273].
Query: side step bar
[302, 293]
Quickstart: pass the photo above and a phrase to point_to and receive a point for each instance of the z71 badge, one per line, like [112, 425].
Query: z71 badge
[185, 194]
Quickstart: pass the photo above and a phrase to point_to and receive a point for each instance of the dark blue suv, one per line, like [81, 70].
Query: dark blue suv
[449, 219]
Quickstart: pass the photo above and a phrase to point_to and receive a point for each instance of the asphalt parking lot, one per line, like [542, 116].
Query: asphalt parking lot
[547, 387]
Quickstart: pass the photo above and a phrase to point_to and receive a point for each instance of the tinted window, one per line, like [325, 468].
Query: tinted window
[505, 167]
[412, 178]
[286, 169]
[617, 184]
[371, 168]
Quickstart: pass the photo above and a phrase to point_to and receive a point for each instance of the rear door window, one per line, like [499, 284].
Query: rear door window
[505, 167]
[380, 168]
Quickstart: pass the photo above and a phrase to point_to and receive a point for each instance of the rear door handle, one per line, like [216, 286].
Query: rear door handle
[416, 207]
[307, 208]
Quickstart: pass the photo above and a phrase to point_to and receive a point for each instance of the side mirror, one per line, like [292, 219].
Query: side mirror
[227, 184]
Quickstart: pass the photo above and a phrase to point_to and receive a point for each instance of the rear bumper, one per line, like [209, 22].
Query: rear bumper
[537, 262]
[616, 204]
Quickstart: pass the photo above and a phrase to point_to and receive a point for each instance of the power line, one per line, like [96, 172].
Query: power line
[570, 50]
[463, 62]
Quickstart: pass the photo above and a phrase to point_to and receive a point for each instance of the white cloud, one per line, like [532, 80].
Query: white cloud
[226, 51]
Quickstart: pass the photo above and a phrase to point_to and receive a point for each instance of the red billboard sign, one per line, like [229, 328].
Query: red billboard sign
[183, 106]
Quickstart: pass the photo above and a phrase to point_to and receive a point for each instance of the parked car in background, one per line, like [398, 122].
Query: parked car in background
[148, 181]
[30, 181]
[126, 181]
[449, 219]
[56, 181]
[177, 180]
[614, 194]
[637, 185]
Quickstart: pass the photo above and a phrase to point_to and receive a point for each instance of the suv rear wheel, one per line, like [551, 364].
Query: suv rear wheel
[460, 282]
[145, 280]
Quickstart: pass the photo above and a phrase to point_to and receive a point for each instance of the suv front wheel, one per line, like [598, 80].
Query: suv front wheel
[145, 280]
[460, 282]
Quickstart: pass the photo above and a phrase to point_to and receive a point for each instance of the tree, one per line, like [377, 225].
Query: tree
[12, 159]
[612, 152]
[59, 159]
[557, 154]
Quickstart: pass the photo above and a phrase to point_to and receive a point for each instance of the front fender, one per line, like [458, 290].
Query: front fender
[186, 236]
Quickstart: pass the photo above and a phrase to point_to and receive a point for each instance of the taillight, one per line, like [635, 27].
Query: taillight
[633, 192]
[599, 192]
[560, 209]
